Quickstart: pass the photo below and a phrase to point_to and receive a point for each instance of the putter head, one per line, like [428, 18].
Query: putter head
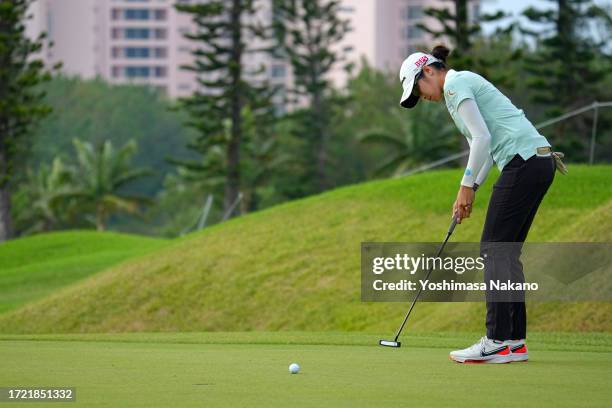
[390, 343]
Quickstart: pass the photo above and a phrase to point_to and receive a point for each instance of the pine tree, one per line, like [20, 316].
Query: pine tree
[21, 100]
[307, 32]
[569, 67]
[224, 30]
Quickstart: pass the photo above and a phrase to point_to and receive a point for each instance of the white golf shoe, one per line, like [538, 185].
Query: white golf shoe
[518, 350]
[484, 351]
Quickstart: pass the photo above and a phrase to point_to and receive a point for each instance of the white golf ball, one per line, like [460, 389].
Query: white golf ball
[294, 368]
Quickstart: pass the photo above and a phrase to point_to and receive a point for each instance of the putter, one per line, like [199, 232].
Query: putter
[394, 342]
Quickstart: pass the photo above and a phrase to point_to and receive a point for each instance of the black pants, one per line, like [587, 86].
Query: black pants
[517, 194]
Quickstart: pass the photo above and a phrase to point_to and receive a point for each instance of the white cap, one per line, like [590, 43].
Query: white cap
[411, 67]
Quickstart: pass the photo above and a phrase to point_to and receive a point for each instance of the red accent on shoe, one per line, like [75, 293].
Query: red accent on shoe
[504, 352]
[521, 350]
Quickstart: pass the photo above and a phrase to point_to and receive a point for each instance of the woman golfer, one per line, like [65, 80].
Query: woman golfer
[497, 132]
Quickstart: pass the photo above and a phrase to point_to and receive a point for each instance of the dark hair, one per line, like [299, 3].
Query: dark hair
[440, 52]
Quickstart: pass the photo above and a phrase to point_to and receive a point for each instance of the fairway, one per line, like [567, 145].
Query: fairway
[337, 369]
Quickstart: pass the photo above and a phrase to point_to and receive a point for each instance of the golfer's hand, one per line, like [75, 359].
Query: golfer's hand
[463, 205]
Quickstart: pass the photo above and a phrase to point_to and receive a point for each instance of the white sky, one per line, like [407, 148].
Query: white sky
[517, 6]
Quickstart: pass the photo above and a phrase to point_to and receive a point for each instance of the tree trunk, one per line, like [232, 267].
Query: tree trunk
[463, 43]
[6, 224]
[250, 203]
[461, 25]
[565, 26]
[320, 143]
[100, 223]
[232, 183]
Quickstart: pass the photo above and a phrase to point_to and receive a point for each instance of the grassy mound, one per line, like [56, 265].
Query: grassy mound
[36, 266]
[297, 266]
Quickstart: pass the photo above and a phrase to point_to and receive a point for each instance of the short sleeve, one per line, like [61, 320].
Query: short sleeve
[457, 91]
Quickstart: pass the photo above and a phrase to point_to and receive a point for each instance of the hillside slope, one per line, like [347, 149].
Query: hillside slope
[35, 266]
[297, 266]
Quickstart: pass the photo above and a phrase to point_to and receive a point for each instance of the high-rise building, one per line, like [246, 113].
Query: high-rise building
[123, 41]
[142, 41]
[385, 32]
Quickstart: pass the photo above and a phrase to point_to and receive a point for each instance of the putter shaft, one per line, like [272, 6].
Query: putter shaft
[451, 228]
[449, 233]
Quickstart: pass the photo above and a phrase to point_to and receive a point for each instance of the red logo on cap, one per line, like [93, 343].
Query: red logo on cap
[421, 61]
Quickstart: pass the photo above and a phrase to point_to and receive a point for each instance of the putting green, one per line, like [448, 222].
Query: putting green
[251, 370]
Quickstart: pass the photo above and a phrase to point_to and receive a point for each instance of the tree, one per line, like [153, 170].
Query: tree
[263, 157]
[99, 175]
[372, 105]
[223, 29]
[566, 49]
[81, 194]
[569, 67]
[96, 111]
[178, 206]
[307, 32]
[40, 202]
[421, 138]
[21, 100]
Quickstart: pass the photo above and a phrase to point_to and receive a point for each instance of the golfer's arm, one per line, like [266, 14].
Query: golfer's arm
[484, 171]
[479, 161]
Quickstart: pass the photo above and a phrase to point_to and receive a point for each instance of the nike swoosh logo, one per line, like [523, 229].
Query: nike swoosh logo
[490, 353]
[451, 93]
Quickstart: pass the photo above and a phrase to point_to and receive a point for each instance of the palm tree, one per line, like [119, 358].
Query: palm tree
[99, 175]
[414, 138]
[43, 206]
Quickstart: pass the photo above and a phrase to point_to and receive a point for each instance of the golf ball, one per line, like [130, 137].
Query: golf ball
[294, 368]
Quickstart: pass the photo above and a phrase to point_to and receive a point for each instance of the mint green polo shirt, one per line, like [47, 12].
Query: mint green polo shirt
[511, 132]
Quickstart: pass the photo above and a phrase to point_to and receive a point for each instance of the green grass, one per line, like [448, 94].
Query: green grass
[36, 266]
[297, 266]
[337, 370]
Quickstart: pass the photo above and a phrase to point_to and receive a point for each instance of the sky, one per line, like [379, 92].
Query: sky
[512, 5]
[515, 7]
